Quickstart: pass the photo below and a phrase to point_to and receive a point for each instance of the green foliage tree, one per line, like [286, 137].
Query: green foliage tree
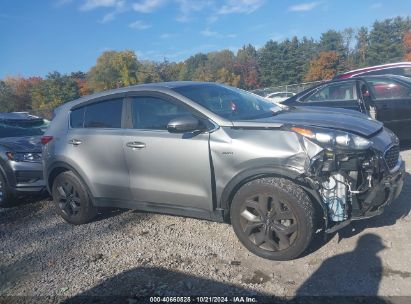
[114, 69]
[53, 91]
[386, 40]
[6, 104]
[362, 46]
[190, 66]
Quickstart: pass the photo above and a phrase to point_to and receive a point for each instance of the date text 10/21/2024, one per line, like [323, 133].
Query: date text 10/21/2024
[203, 299]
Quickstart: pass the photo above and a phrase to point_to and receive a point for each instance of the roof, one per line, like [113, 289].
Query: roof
[156, 86]
[15, 116]
[372, 68]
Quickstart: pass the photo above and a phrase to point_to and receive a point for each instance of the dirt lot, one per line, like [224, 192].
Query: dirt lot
[132, 253]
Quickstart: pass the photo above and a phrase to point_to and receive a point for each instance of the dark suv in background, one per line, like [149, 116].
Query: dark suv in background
[386, 98]
[20, 156]
[219, 153]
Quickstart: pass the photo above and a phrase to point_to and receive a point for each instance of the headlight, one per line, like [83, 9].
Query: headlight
[24, 157]
[334, 139]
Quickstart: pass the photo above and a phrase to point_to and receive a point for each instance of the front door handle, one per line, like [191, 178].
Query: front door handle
[136, 145]
[75, 142]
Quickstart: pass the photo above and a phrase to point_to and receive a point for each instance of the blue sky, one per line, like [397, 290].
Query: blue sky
[39, 36]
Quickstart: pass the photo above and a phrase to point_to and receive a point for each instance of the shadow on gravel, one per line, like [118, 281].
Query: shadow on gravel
[398, 210]
[153, 281]
[354, 273]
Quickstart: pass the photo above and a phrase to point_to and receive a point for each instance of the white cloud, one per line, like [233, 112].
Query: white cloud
[303, 7]
[240, 6]
[147, 6]
[187, 7]
[376, 5]
[139, 25]
[92, 4]
[208, 33]
[120, 8]
[167, 36]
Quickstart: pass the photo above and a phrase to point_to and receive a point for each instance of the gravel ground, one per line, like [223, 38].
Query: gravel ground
[132, 253]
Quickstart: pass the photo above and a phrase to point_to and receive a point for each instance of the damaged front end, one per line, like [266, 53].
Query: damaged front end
[354, 177]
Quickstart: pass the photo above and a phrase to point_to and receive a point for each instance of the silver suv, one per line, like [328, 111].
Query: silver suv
[214, 152]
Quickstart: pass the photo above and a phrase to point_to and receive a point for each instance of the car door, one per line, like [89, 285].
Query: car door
[166, 168]
[95, 144]
[341, 94]
[392, 100]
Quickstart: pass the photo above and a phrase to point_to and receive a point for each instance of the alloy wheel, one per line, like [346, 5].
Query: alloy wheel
[68, 199]
[268, 222]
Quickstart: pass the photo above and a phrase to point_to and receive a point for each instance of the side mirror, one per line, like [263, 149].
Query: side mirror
[185, 124]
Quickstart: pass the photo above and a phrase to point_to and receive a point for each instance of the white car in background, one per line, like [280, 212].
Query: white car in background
[279, 97]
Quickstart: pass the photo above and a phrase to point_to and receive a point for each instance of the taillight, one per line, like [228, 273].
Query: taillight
[46, 139]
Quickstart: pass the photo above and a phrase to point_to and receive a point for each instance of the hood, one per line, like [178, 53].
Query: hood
[331, 118]
[22, 144]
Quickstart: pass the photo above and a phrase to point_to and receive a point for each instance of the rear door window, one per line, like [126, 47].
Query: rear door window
[104, 114]
[385, 89]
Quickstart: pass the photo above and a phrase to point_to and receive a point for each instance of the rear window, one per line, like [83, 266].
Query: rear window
[23, 128]
[105, 114]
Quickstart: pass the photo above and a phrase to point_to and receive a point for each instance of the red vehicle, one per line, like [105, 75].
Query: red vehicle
[398, 68]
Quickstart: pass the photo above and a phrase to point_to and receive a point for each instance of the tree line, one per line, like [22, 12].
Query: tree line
[276, 63]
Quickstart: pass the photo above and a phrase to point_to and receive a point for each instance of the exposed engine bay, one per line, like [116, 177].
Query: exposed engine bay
[356, 184]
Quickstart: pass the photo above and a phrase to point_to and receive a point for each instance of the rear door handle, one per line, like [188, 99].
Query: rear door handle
[75, 142]
[136, 145]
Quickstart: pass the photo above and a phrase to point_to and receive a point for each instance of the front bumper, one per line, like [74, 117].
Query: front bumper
[25, 177]
[384, 193]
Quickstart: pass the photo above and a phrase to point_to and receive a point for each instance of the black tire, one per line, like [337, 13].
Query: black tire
[273, 218]
[7, 199]
[72, 200]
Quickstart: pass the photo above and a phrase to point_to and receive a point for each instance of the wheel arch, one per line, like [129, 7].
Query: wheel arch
[60, 167]
[251, 174]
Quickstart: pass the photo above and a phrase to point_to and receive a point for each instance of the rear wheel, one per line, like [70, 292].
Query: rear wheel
[72, 200]
[7, 198]
[273, 218]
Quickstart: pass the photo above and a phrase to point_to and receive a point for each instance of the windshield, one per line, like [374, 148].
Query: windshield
[23, 128]
[229, 103]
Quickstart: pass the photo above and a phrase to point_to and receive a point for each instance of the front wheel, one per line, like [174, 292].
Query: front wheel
[273, 218]
[72, 200]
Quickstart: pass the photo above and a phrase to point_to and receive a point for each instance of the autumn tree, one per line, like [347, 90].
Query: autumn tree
[114, 69]
[407, 45]
[191, 65]
[53, 91]
[168, 71]
[147, 72]
[81, 79]
[246, 67]
[324, 67]
[19, 91]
